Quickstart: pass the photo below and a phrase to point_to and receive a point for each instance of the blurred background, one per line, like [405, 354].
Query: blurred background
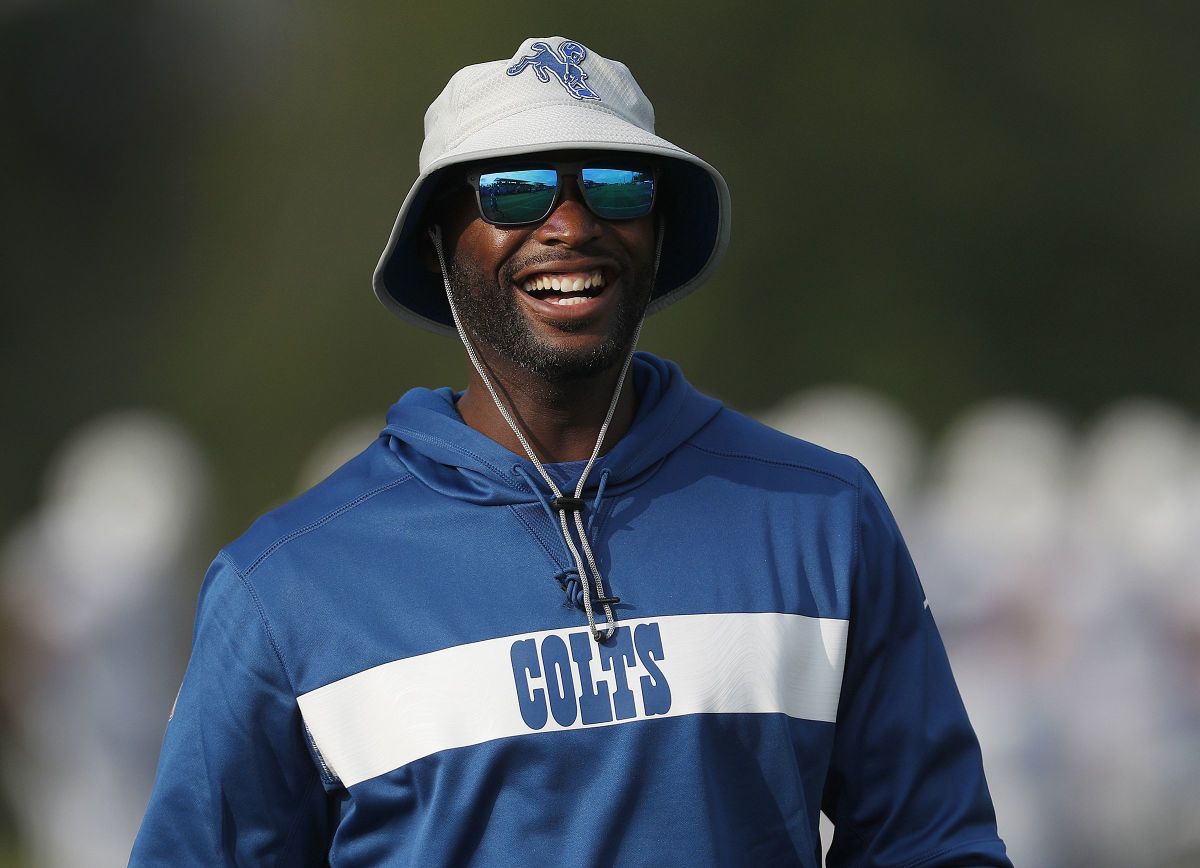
[963, 241]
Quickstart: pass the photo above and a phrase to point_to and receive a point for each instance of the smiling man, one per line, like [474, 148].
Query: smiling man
[539, 276]
[578, 613]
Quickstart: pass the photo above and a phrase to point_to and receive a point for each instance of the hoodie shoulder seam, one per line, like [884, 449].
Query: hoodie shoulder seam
[244, 578]
[325, 519]
[322, 771]
[795, 465]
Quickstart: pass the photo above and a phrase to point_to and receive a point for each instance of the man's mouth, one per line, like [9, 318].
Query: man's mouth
[565, 288]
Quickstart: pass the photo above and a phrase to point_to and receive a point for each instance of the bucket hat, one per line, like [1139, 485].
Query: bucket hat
[553, 94]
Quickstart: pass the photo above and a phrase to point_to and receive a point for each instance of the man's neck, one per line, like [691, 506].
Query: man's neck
[561, 420]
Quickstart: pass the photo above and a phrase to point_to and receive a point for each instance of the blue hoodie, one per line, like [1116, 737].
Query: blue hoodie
[395, 669]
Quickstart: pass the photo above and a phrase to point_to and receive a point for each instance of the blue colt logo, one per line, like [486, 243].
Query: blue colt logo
[564, 64]
[548, 685]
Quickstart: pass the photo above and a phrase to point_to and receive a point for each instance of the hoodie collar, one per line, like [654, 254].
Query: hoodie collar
[428, 435]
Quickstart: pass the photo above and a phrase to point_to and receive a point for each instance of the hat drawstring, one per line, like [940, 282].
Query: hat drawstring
[562, 505]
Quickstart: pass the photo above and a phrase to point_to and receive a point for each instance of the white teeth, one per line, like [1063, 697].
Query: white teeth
[566, 301]
[564, 283]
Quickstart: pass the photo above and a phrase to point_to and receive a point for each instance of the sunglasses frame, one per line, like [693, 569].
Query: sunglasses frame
[564, 170]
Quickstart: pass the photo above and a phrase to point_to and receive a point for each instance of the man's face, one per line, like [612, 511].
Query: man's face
[502, 281]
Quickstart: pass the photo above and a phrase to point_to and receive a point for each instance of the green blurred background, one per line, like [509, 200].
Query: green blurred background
[943, 202]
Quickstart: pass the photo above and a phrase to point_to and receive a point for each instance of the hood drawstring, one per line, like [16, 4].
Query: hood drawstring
[592, 519]
[528, 480]
[569, 581]
[562, 505]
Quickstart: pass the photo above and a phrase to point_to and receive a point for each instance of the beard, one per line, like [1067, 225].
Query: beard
[490, 314]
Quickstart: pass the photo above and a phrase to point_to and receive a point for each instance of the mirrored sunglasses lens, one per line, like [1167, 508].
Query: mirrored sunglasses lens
[619, 194]
[517, 196]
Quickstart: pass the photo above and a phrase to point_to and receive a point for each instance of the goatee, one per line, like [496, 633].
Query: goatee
[491, 317]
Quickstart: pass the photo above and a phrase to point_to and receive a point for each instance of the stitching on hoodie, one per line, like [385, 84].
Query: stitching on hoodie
[284, 540]
[262, 615]
[324, 771]
[420, 435]
[538, 537]
[771, 461]
[297, 822]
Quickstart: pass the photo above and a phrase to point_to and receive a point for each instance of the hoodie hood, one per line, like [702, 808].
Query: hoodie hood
[428, 435]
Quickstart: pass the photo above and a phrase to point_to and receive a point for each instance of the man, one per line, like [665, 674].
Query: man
[578, 614]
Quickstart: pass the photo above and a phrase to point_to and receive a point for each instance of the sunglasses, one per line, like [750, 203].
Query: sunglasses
[527, 193]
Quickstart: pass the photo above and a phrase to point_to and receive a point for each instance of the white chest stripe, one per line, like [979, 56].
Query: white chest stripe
[380, 719]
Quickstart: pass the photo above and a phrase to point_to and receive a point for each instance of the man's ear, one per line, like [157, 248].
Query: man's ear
[428, 254]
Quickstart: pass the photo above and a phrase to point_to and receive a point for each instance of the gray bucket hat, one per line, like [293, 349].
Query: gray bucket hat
[553, 94]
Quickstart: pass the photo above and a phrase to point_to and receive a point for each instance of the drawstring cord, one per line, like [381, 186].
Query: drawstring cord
[569, 578]
[561, 504]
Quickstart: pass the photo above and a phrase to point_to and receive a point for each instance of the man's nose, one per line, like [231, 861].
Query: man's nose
[572, 222]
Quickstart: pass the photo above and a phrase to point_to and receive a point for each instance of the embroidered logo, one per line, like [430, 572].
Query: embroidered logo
[563, 64]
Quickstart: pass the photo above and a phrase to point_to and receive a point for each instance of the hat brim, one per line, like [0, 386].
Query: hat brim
[693, 206]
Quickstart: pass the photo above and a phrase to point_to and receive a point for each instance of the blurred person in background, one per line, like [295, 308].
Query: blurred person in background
[90, 582]
[1122, 708]
[425, 658]
[989, 534]
[1060, 568]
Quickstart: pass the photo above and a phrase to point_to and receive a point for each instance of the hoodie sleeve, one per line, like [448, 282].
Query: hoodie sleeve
[905, 786]
[236, 783]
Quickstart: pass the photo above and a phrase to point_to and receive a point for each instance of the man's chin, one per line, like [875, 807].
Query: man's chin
[560, 364]
[559, 351]
[575, 349]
